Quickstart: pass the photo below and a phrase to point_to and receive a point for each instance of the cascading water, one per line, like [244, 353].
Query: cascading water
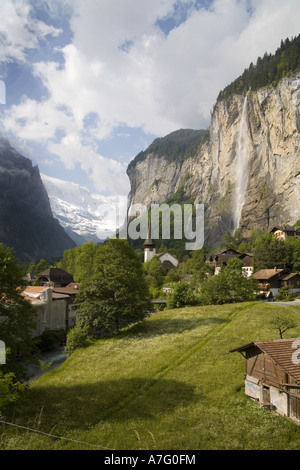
[242, 167]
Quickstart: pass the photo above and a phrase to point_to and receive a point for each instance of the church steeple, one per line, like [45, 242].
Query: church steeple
[149, 246]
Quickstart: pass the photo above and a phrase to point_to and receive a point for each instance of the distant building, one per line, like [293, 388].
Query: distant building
[285, 232]
[168, 261]
[55, 277]
[56, 307]
[221, 258]
[270, 280]
[149, 249]
[273, 375]
[51, 308]
[292, 281]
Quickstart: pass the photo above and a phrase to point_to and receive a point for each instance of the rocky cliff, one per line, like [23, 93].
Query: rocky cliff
[247, 173]
[26, 221]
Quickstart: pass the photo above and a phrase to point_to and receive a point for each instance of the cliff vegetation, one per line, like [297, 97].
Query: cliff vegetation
[268, 71]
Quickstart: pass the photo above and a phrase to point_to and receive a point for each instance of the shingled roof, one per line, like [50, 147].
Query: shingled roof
[56, 275]
[265, 274]
[281, 351]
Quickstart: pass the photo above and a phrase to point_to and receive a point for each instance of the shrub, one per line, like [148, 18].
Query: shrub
[182, 294]
[78, 337]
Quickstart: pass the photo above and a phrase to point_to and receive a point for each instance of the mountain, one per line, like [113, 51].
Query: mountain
[245, 169]
[84, 216]
[26, 221]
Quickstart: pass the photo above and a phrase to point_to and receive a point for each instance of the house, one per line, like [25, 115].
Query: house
[270, 280]
[292, 281]
[286, 232]
[51, 308]
[221, 258]
[55, 307]
[167, 260]
[71, 291]
[55, 277]
[273, 375]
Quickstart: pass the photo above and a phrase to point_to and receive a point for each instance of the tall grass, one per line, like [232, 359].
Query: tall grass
[168, 383]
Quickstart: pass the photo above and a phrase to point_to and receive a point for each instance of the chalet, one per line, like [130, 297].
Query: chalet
[273, 375]
[221, 258]
[55, 277]
[292, 281]
[286, 232]
[270, 280]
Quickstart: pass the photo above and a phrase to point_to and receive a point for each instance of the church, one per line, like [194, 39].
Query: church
[168, 261]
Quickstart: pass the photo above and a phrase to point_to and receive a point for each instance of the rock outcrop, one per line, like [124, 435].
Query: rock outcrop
[26, 222]
[247, 173]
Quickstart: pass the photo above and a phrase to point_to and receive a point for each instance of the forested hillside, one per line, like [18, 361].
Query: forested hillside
[268, 71]
[176, 146]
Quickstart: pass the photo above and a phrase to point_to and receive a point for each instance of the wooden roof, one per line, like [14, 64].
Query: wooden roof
[291, 276]
[56, 275]
[286, 228]
[267, 273]
[281, 351]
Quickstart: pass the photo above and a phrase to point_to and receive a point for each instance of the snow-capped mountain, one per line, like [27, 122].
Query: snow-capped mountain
[84, 216]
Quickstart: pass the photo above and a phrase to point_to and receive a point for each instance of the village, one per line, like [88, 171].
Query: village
[272, 367]
[55, 295]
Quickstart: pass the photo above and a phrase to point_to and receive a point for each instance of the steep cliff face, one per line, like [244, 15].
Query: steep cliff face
[247, 173]
[26, 221]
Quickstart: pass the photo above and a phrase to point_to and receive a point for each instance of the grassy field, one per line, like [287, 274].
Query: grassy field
[166, 384]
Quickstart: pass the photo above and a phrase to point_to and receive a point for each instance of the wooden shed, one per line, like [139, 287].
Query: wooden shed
[273, 375]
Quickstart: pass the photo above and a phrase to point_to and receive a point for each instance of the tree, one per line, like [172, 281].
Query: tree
[80, 261]
[9, 389]
[230, 285]
[18, 317]
[196, 267]
[233, 241]
[182, 295]
[117, 294]
[155, 273]
[41, 266]
[271, 252]
[294, 244]
[282, 323]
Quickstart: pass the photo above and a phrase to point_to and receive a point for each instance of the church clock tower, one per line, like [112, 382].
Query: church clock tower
[149, 247]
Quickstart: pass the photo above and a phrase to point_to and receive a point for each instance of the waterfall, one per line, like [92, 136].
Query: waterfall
[242, 167]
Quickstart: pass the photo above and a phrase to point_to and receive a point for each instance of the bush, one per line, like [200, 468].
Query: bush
[78, 337]
[182, 295]
[50, 339]
[9, 389]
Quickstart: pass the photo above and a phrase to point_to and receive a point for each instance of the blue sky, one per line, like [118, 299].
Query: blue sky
[91, 83]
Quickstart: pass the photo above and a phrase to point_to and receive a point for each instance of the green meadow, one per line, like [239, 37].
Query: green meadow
[168, 383]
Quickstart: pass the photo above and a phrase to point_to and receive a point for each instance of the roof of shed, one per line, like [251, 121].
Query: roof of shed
[281, 351]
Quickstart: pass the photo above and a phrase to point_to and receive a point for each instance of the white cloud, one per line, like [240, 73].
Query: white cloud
[20, 31]
[107, 175]
[122, 68]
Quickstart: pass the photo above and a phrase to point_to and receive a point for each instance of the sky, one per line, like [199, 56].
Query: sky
[91, 83]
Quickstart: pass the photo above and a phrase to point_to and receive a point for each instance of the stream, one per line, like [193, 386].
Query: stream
[51, 359]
